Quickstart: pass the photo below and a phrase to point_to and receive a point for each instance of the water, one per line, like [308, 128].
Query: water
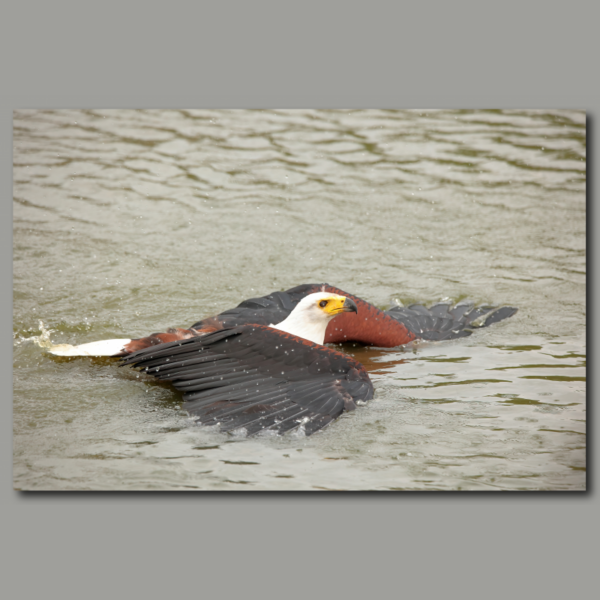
[129, 222]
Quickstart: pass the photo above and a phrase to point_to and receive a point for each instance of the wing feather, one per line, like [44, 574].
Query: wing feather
[258, 378]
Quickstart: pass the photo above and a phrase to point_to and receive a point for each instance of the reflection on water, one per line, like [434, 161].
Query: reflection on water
[130, 222]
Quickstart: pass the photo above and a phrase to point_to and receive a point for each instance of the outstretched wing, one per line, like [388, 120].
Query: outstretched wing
[258, 378]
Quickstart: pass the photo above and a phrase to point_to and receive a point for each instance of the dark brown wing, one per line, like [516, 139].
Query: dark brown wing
[258, 378]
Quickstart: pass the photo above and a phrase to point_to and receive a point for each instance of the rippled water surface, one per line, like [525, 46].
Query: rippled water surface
[130, 222]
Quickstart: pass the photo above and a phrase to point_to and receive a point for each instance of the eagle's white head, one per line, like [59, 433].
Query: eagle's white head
[312, 314]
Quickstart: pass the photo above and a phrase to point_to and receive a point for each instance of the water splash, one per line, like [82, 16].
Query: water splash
[42, 340]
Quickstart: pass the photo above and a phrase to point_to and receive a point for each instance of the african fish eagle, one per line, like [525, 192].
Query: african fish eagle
[263, 365]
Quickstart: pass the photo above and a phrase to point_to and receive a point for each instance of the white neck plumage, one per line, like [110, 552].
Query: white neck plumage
[297, 324]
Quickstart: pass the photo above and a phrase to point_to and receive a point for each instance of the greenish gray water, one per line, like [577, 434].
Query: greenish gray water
[130, 222]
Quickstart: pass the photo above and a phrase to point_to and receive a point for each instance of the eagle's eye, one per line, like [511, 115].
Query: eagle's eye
[323, 303]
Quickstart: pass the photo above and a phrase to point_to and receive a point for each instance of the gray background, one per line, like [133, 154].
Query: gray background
[463, 55]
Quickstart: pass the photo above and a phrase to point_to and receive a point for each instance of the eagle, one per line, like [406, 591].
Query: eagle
[264, 366]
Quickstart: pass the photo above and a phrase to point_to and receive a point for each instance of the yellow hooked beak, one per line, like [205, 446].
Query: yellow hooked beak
[334, 305]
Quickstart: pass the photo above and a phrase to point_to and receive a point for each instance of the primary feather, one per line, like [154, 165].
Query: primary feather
[258, 378]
